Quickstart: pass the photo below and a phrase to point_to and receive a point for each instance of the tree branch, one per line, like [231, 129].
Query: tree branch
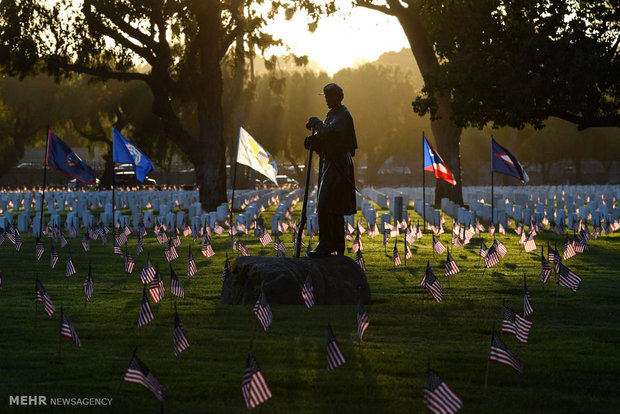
[585, 123]
[368, 4]
[55, 62]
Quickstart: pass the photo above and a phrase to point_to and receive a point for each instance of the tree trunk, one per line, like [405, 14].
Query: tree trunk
[108, 169]
[447, 134]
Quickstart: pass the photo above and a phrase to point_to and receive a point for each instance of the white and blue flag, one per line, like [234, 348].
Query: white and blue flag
[127, 153]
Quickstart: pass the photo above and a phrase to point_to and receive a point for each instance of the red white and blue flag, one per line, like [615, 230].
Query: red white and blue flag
[505, 163]
[434, 163]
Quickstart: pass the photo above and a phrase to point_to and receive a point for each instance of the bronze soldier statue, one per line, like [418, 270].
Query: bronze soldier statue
[334, 140]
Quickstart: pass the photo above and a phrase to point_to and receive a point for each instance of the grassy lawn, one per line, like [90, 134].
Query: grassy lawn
[571, 362]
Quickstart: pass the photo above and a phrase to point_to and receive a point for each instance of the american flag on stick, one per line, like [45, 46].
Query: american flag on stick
[335, 357]
[527, 305]
[307, 292]
[451, 266]
[515, 324]
[554, 257]
[88, 284]
[253, 385]
[500, 353]
[226, 271]
[39, 249]
[148, 271]
[70, 270]
[67, 330]
[191, 264]
[545, 270]
[146, 313]
[176, 288]
[180, 340]
[569, 249]
[140, 247]
[207, 250]
[86, 242]
[530, 244]
[430, 282]
[41, 296]
[438, 246]
[568, 278]
[171, 252]
[362, 320]
[157, 290]
[491, 258]
[263, 311]
[439, 397]
[53, 256]
[359, 259]
[138, 373]
[500, 248]
[395, 256]
[243, 248]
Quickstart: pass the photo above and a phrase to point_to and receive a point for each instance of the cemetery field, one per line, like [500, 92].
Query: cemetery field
[571, 362]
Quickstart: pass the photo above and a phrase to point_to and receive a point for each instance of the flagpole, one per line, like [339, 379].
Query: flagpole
[123, 378]
[35, 306]
[423, 189]
[492, 200]
[60, 338]
[47, 143]
[234, 181]
[486, 376]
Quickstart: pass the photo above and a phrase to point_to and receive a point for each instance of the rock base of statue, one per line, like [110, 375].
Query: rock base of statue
[336, 280]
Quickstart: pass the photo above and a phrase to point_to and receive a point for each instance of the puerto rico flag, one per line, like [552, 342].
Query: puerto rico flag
[506, 163]
[434, 163]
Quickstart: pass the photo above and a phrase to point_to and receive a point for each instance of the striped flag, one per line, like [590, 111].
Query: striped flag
[162, 237]
[40, 295]
[191, 264]
[500, 248]
[70, 267]
[176, 288]
[555, 258]
[67, 330]
[357, 243]
[265, 238]
[545, 270]
[148, 271]
[523, 238]
[568, 278]
[515, 324]
[253, 385]
[569, 249]
[408, 253]
[430, 282]
[129, 262]
[146, 313]
[359, 259]
[0, 281]
[469, 233]
[527, 305]
[63, 241]
[121, 238]
[438, 246]
[451, 267]
[362, 319]
[117, 249]
[530, 244]
[207, 250]
[519, 229]
[176, 240]
[88, 284]
[492, 229]
[263, 311]
[483, 249]
[335, 357]
[157, 290]
[500, 353]
[138, 373]
[491, 258]
[39, 249]
[140, 247]
[171, 252]
[242, 248]
[502, 230]
[53, 256]
[307, 292]
[279, 247]
[226, 271]
[180, 340]
[395, 255]
[439, 397]
[410, 235]
[86, 242]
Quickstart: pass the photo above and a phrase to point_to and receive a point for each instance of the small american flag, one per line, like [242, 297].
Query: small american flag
[146, 313]
[307, 292]
[39, 249]
[386, 237]
[410, 235]
[491, 229]
[171, 252]
[253, 385]
[157, 290]
[207, 250]
[569, 249]
[129, 262]
[226, 271]
[500, 248]
[491, 258]
[63, 241]
[545, 270]
[162, 237]
[500, 353]
[515, 324]
[519, 229]
[88, 285]
[180, 340]
[176, 288]
[40, 295]
[67, 330]
[335, 357]
[263, 311]
[530, 244]
[242, 248]
[279, 247]
[138, 373]
[121, 238]
[265, 238]
[439, 397]
[70, 267]
[502, 230]
[395, 256]
[430, 282]
[53, 256]
[523, 238]
[359, 259]
[357, 243]
[456, 241]
[568, 278]
[86, 242]
[217, 229]
[176, 240]
[148, 271]
[408, 253]
[527, 305]
[451, 266]
[554, 257]
[140, 248]
[191, 264]
[360, 226]
[362, 319]
[437, 246]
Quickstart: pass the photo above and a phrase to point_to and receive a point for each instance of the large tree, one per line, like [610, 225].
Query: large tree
[181, 42]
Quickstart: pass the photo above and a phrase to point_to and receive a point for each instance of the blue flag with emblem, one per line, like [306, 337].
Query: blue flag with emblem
[63, 158]
[126, 152]
[505, 163]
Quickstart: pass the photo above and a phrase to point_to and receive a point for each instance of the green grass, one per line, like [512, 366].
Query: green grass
[571, 362]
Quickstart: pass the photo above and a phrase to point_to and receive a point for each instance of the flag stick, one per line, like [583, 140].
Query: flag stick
[423, 189]
[47, 145]
[492, 200]
[234, 182]
[60, 338]
[542, 251]
[557, 284]
[36, 308]
[486, 376]
[122, 378]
